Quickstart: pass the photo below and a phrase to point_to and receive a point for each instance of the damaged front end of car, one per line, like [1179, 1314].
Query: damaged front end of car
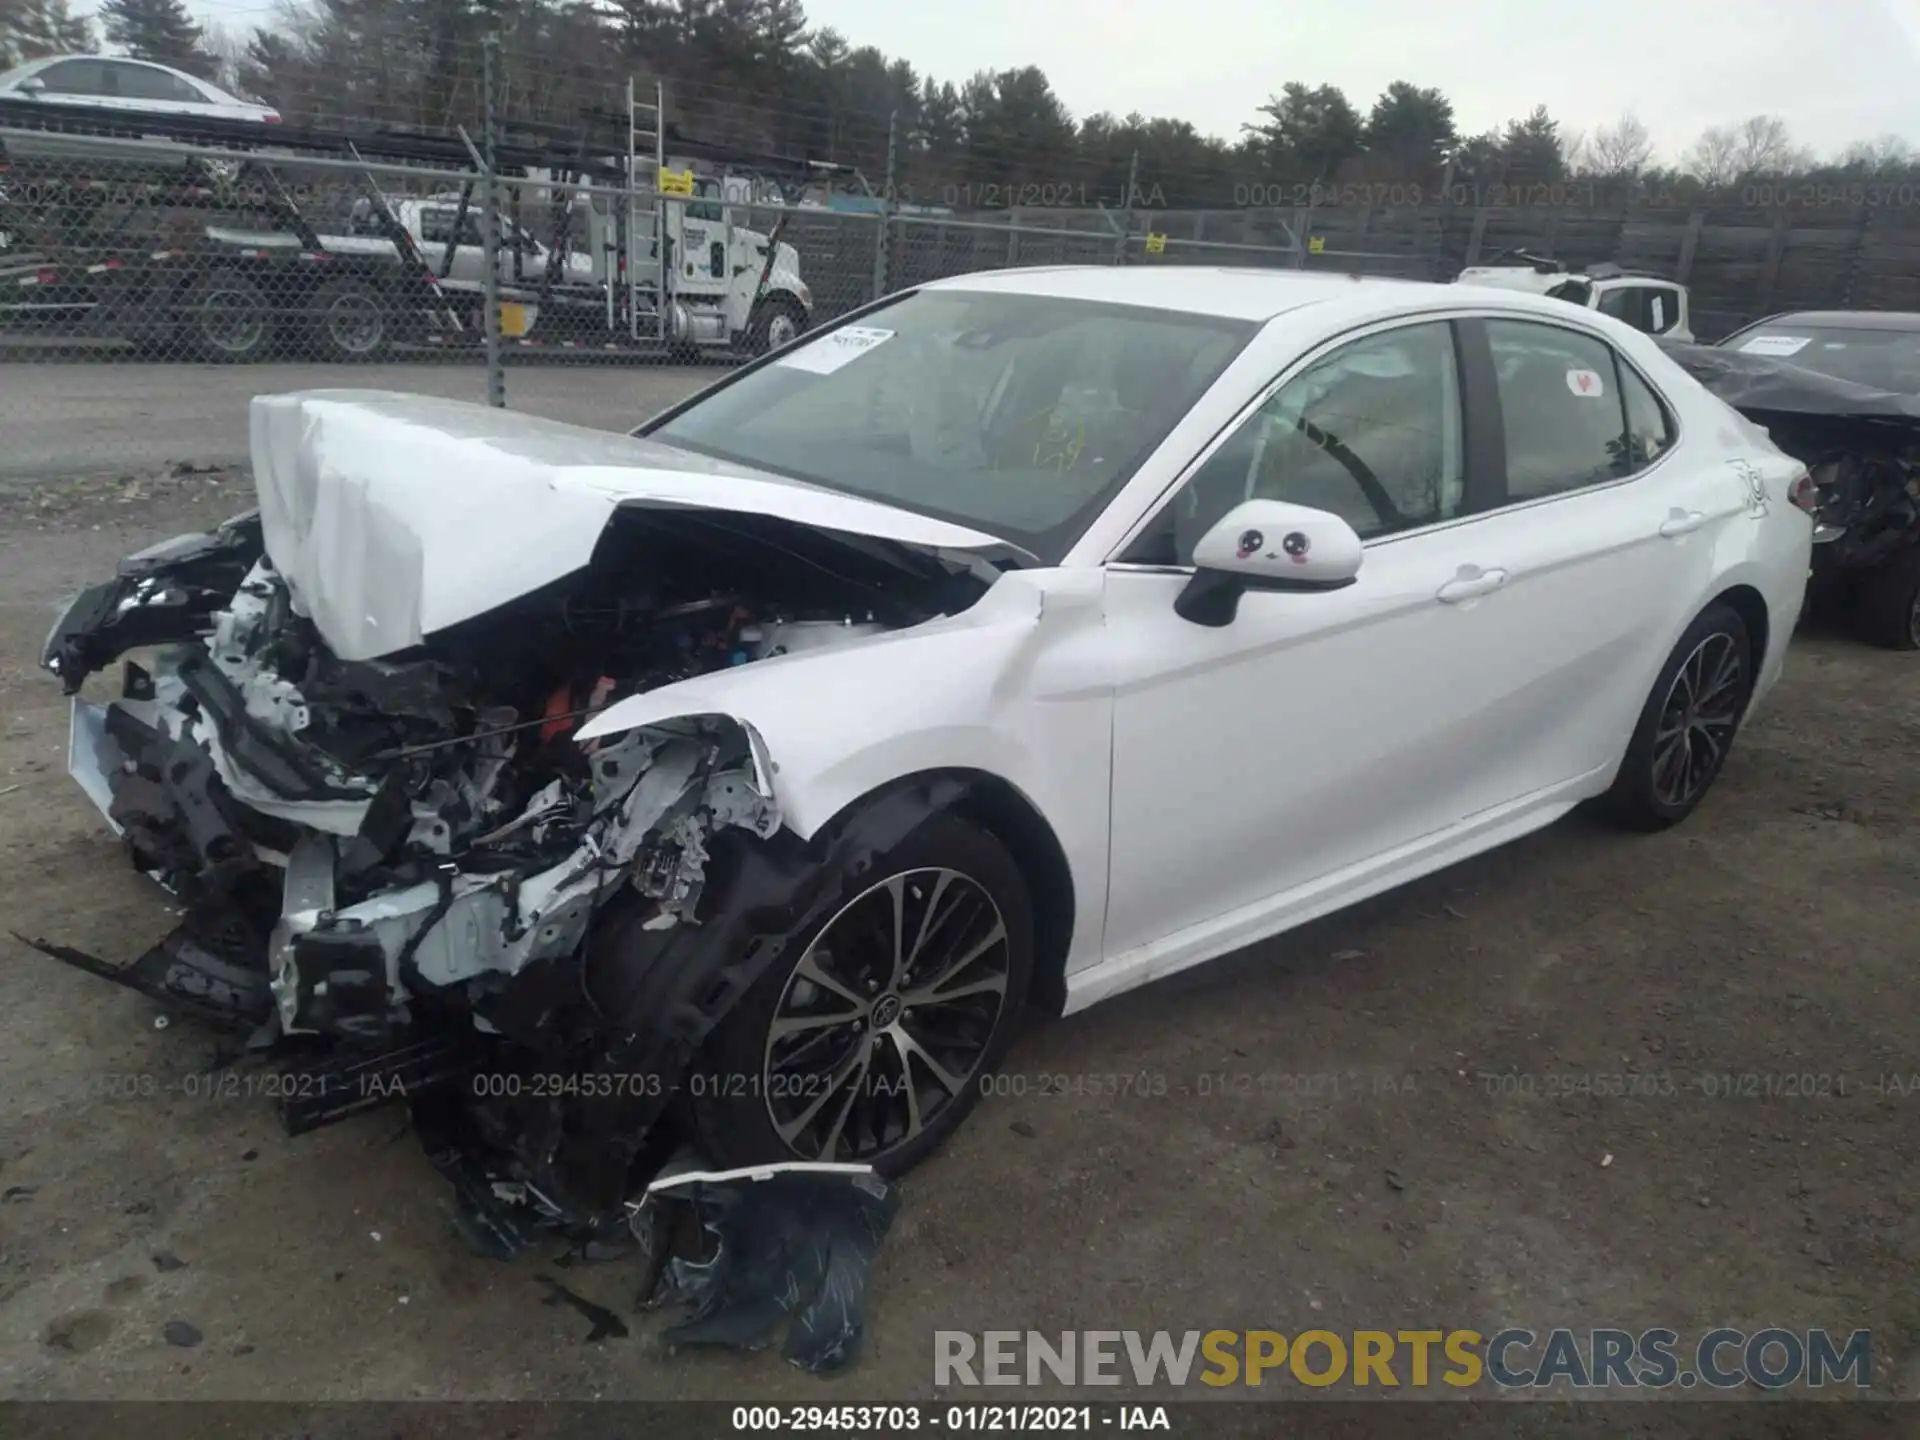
[405, 876]
[1861, 447]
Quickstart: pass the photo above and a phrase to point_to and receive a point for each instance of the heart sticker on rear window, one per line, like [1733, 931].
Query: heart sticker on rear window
[1585, 382]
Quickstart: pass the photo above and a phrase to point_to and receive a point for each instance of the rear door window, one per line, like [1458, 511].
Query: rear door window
[1659, 309]
[1575, 415]
[145, 82]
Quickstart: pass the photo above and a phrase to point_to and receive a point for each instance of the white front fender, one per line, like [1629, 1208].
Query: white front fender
[999, 689]
[828, 726]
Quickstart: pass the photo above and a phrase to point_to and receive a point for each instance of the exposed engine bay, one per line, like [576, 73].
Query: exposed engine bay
[1868, 479]
[403, 872]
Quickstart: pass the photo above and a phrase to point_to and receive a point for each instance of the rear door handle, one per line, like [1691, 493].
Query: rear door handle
[1467, 586]
[1682, 522]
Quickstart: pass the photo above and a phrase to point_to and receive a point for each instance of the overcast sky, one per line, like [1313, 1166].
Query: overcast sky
[1837, 70]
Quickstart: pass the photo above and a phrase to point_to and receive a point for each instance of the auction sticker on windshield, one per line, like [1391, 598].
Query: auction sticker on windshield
[834, 349]
[1776, 344]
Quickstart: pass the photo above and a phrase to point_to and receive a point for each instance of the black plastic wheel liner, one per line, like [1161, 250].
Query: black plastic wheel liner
[661, 993]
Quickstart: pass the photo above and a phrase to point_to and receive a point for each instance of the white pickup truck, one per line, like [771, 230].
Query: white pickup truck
[431, 224]
[716, 297]
[1646, 302]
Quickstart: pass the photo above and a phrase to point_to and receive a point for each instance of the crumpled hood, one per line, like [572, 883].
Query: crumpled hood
[394, 516]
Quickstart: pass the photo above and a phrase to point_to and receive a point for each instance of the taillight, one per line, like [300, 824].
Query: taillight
[1803, 494]
[272, 117]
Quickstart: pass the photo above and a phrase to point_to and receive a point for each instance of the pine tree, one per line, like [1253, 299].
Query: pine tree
[159, 30]
[35, 29]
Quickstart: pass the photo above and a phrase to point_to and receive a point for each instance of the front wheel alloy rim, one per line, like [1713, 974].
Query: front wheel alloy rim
[354, 324]
[1697, 720]
[780, 330]
[231, 321]
[887, 1017]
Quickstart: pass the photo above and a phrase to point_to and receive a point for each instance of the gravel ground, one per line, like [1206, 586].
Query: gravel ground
[1328, 1149]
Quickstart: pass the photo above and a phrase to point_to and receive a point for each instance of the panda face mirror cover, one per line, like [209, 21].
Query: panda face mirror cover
[1282, 545]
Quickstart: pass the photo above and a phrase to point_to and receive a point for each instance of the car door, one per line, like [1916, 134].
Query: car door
[1316, 732]
[469, 247]
[433, 230]
[150, 89]
[1607, 533]
[77, 82]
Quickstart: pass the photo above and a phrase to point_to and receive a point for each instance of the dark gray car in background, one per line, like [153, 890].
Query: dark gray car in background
[1840, 390]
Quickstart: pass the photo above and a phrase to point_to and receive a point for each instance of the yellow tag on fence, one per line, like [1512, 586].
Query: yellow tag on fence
[1156, 243]
[514, 320]
[676, 182]
[1317, 245]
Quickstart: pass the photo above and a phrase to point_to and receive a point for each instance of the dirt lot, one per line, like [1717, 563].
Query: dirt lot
[1773, 935]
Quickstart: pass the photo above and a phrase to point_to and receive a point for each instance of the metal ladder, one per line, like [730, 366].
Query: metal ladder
[646, 122]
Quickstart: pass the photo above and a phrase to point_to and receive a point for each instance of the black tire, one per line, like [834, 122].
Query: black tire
[226, 318]
[1887, 603]
[746, 1074]
[350, 322]
[1644, 795]
[771, 320]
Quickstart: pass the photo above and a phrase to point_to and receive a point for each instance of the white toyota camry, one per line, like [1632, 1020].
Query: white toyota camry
[1015, 641]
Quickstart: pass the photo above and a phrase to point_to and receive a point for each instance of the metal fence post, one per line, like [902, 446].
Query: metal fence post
[887, 192]
[490, 228]
[1126, 210]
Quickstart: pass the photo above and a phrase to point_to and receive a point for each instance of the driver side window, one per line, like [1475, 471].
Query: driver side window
[1372, 433]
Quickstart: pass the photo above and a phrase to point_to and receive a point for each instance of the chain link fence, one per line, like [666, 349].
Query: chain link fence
[187, 270]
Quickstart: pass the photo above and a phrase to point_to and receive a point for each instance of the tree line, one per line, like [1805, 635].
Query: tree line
[756, 76]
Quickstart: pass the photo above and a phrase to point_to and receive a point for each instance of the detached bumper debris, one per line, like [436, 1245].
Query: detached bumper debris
[189, 971]
[791, 1244]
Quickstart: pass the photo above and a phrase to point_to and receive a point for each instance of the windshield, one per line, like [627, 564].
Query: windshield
[1882, 359]
[1017, 415]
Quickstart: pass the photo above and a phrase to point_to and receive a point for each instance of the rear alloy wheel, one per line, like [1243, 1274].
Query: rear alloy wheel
[229, 318]
[350, 322]
[1887, 604]
[874, 1043]
[1688, 724]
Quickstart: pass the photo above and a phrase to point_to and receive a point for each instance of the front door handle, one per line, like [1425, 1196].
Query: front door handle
[1682, 522]
[1471, 582]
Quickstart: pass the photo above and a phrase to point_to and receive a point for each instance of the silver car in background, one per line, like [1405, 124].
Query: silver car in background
[112, 82]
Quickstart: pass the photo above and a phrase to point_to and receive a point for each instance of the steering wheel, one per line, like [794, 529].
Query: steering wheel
[1363, 476]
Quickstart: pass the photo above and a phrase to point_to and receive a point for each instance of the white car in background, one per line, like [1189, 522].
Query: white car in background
[1016, 641]
[1649, 303]
[114, 82]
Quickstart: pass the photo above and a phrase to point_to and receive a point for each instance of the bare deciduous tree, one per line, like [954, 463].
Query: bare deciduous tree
[1885, 152]
[1620, 150]
[1762, 146]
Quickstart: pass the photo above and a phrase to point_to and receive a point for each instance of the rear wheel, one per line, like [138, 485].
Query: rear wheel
[1688, 723]
[873, 1044]
[350, 321]
[227, 318]
[1887, 603]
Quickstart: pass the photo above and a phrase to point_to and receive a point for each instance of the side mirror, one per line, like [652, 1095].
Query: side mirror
[32, 85]
[1267, 545]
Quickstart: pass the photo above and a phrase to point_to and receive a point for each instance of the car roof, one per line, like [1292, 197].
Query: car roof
[49, 60]
[1847, 319]
[1218, 290]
